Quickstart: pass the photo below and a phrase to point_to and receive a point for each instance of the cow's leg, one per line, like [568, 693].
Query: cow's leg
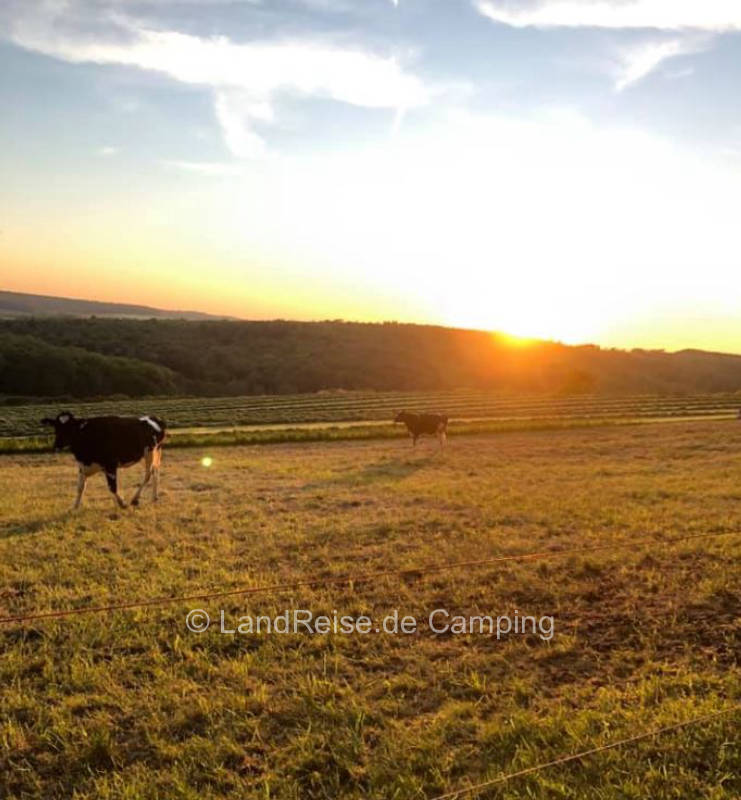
[112, 478]
[147, 475]
[81, 481]
[156, 461]
[86, 470]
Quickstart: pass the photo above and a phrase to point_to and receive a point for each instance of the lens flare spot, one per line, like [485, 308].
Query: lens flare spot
[206, 461]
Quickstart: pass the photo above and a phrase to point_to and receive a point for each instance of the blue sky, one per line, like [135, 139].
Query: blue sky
[561, 168]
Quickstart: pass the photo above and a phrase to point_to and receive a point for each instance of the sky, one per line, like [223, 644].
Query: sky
[564, 169]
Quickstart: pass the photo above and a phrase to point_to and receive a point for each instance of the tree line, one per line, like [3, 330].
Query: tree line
[95, 357]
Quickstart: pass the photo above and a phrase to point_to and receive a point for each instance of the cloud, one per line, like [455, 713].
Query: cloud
[696, 23]
[706, 15]
[637, 62]
[236, 112]
[106, 151]
[246, 79]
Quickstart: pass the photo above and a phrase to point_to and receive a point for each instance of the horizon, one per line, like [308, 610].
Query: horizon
[484, 165]
[514, 340]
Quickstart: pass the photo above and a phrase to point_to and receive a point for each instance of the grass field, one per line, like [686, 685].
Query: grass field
[337, 407]
[331, 416]
[132, 705]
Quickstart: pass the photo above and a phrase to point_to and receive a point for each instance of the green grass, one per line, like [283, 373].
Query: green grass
[132, 705]
[318, 432]
[313, 432]
[342, 407]
[333, 416]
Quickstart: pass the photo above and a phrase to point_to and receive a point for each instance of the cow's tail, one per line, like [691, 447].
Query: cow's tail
[162, 429]
[156, 428]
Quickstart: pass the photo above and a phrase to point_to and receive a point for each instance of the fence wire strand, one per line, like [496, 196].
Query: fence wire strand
[358, 578]
[480, 787]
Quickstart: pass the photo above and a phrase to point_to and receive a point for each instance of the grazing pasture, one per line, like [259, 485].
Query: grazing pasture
[339, 407]
[130, 704]
[331, 416]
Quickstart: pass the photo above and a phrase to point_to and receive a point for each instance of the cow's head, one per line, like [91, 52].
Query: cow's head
[400, 416]
[64, 425]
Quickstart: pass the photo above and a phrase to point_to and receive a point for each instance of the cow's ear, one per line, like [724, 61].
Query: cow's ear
[48, 421]
[65, 417]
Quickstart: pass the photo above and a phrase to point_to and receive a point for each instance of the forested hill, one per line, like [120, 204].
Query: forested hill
[19, 304]
[95, 357]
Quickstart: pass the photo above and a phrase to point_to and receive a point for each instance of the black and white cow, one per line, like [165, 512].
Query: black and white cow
[103, 444]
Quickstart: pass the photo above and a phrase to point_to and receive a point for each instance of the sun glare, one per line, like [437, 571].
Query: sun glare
[524, 314]
[484, 223]
[515, 341]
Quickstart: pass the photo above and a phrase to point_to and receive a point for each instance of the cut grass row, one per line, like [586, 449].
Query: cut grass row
[313, 432]
[370, 406]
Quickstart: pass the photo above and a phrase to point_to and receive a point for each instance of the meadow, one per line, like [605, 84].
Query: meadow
[130, 704]
[326, 416]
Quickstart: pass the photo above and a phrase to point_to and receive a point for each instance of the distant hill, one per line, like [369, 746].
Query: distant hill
[94, 356]
[18, 304]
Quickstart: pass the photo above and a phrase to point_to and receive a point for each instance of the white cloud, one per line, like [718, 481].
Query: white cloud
[108, 150]
[636, 62]
[246, 78]
[235, 113]
[707, 15]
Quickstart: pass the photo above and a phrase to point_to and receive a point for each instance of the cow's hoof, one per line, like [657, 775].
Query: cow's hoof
[135, 503]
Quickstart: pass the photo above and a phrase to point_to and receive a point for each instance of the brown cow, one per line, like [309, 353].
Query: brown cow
[421, 424]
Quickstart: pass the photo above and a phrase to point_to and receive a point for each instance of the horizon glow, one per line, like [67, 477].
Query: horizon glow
[548, 180]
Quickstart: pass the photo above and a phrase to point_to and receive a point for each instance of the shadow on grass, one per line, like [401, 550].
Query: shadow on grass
[385, 470]
[10, 529]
